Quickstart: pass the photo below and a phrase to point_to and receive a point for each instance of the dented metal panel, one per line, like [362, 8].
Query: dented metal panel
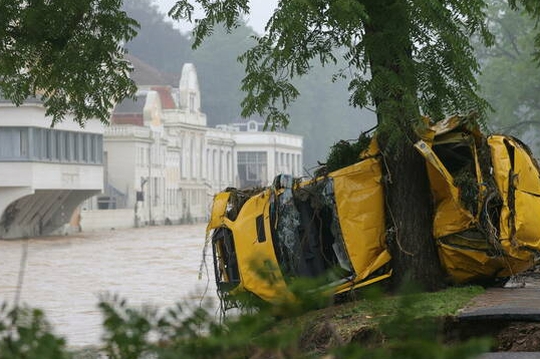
[501, 173]
[257, 263]
[498, 236]
[466, 265]
[360, 207]
[219, 208]
[450, 215]
[525, 184]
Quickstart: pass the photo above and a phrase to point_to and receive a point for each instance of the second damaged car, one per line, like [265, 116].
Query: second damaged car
[486, 192]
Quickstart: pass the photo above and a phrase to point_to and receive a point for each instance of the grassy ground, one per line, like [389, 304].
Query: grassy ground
[359, 320]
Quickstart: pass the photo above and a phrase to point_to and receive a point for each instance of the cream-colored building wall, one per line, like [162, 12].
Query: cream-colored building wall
[137, 162]
[51, 175]
[219, 160]
[122, 169]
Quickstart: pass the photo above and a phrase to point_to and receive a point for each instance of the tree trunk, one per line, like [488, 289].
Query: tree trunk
[408, 197]
[409, 218]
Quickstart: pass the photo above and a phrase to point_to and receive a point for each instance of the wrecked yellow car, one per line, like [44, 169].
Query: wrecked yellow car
[486, 193]
[332, 226]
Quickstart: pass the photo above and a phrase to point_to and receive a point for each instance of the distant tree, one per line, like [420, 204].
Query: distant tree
[67, 53]
[405, 58]
[157, 43]
[510, 79]
[322, 117]
[220, 72]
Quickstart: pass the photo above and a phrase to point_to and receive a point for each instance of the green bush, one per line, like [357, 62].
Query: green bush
[26, 334]
[406, 326]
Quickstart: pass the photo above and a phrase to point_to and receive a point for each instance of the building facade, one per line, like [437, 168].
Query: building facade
[154, 149]
[46, 172]
[260, 155]
[165, 164]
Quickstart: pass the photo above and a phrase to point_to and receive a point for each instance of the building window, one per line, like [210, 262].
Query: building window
[14, 143]
[155, 190]
[208, 165]
[44, 144]
[76, 147]
[252, 168]
[39, 144]
[99, 148]
[80, 147]
[71, 148]
[85, 151]
[59, 152]
[192, 102]
[215, 166]
[23, 142]
[68, 146]
[229, 174]
[35, 143]
[93, 149]
[252, 126]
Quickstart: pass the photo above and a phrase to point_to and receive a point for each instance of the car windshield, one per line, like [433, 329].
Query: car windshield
[307, 237]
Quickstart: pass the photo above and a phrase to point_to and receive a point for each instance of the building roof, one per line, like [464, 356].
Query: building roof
[165, 95]
[145, 74]
[129, 105]
[32, 99]
[128, 119]
[251, 124]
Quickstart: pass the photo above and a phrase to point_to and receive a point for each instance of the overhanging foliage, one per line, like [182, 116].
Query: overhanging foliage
[66, 53]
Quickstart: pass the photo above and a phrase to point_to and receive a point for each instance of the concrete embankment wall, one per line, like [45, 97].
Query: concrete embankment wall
[107, 219]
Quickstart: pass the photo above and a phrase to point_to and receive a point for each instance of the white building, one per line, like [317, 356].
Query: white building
[260, 156]
[46, 172]
[163, 164]
[219, 159]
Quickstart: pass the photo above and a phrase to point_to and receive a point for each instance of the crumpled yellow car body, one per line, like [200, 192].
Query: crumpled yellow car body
[494, 232]
[332, 226]
[486, 193]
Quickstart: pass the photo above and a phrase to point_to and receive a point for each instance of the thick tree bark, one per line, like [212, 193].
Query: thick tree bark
[409, 206]
[409, 218]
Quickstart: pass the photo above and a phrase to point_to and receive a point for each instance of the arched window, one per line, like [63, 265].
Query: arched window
[216, 166]
[229, 168]
[208, 164]
[252, 126]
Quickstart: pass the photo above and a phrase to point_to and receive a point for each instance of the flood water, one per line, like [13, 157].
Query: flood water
[65, 276]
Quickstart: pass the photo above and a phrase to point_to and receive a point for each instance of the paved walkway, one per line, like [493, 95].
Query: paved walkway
[517, 301]
[516, 304]
[511, 355]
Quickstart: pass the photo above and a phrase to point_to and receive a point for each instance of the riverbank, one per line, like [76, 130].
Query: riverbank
[373, 323]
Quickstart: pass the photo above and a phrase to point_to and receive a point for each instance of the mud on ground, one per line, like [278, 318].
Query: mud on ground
[506, 336]
[338, 324]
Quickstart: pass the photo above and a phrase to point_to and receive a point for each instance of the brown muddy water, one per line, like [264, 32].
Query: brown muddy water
[65, 276]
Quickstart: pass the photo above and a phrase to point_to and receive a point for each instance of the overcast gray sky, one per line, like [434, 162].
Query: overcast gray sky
[261, 10]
